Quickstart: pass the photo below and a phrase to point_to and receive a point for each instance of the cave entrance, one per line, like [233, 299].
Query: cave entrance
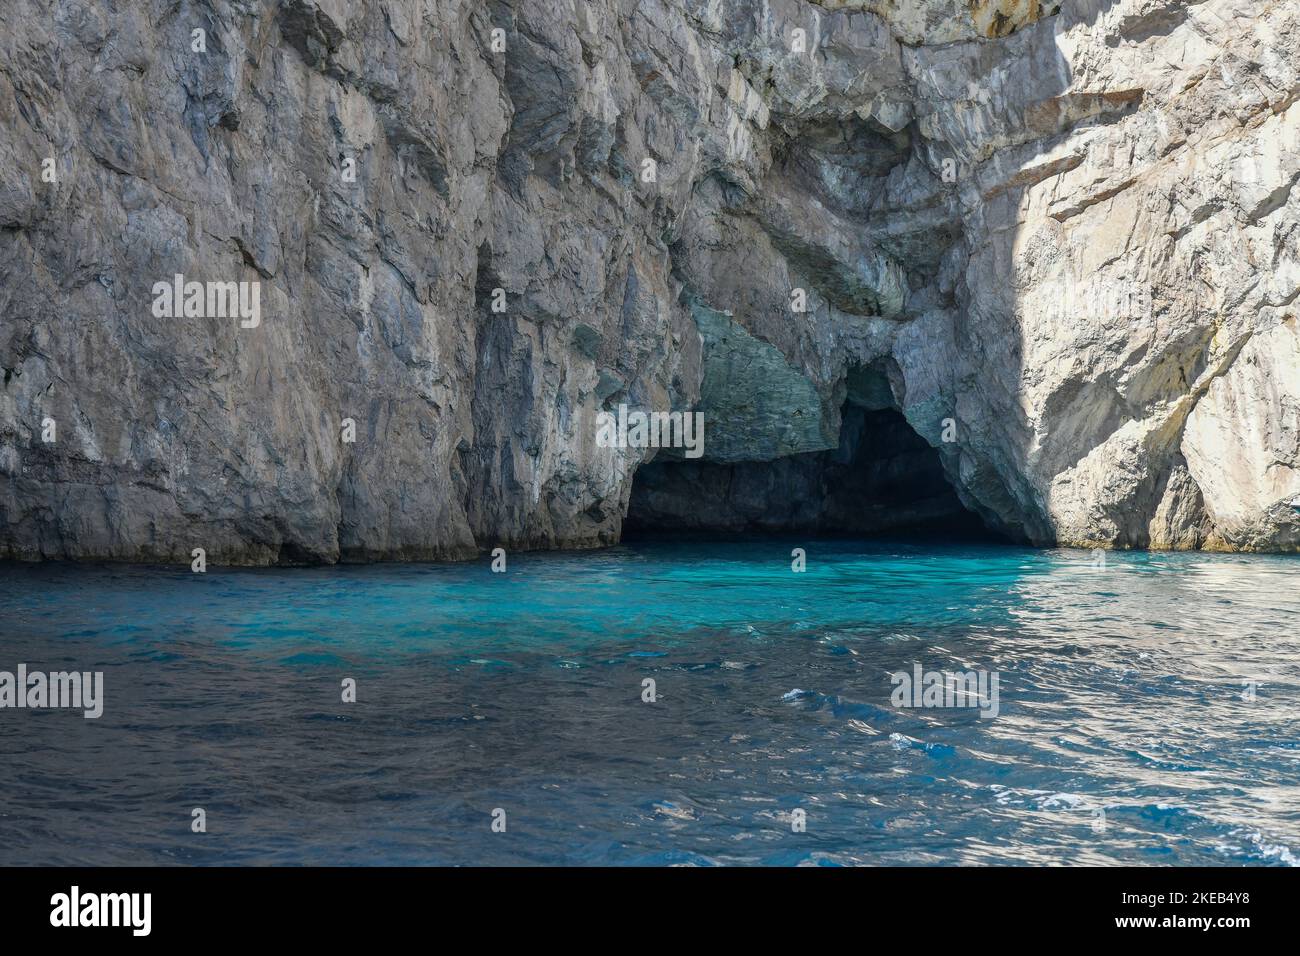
[883, 480]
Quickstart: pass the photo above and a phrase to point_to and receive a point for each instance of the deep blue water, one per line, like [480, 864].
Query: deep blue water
[1122, 733]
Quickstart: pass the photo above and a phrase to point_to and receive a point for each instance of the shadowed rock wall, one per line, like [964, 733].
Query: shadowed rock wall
[1068, 229]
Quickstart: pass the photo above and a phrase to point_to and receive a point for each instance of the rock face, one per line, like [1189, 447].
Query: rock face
[1062, 235]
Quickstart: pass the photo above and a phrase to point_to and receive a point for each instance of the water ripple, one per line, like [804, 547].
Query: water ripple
[1147, 710]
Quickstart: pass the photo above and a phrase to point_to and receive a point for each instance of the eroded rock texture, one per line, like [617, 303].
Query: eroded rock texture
[1068, 227]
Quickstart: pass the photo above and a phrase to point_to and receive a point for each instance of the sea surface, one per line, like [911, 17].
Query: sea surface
[1148, 711]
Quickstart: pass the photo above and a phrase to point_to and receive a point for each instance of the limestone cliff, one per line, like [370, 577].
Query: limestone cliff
[1061, 234]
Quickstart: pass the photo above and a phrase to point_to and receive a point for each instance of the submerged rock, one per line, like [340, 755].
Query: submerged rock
[1066, 232]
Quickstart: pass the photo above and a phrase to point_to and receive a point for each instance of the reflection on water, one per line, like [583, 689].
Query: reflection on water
[1126, 730]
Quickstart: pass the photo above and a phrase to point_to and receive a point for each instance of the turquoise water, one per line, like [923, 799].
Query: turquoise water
[1126, 729]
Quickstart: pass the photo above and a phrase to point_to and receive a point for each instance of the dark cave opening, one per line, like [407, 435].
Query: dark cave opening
[884, 480]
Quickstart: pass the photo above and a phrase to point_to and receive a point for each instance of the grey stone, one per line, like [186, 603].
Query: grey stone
[1071, 229]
